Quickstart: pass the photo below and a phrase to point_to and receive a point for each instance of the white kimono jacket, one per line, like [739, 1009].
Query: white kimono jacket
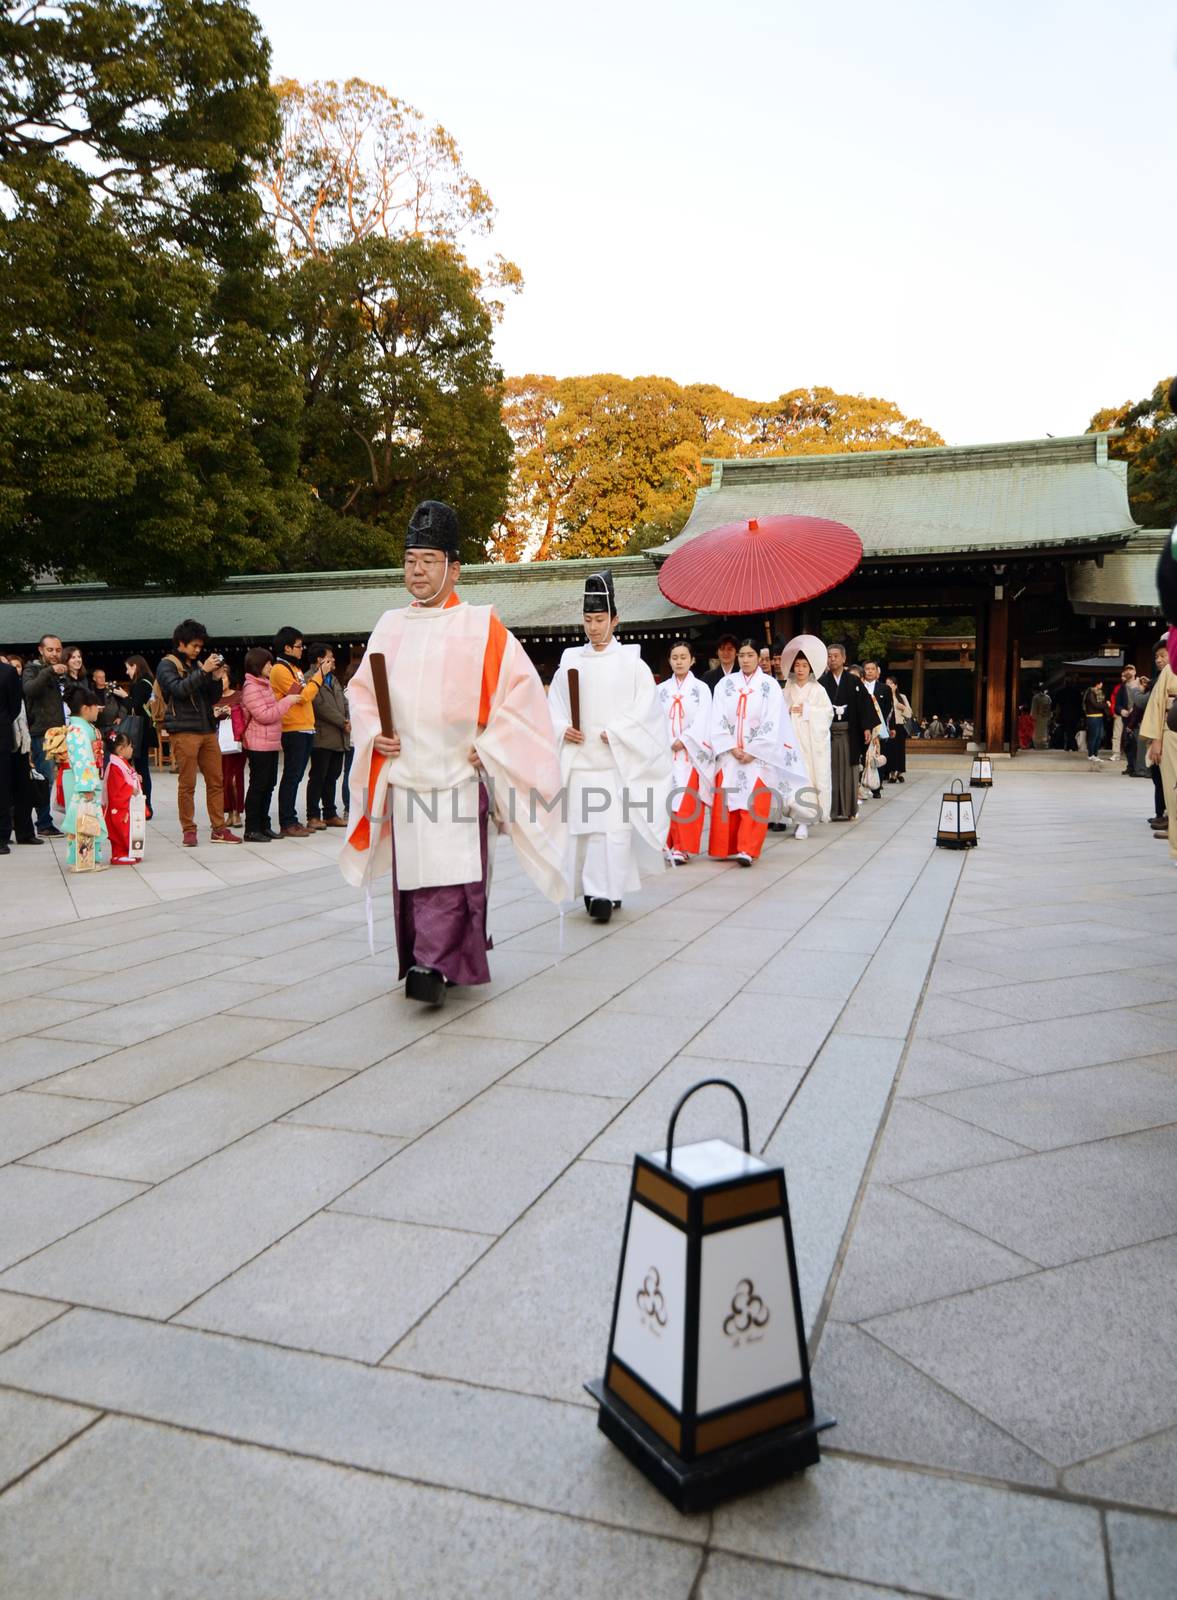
[750, 713]
[618, 696]
[449, 667]
[811, 731]
[687, 708]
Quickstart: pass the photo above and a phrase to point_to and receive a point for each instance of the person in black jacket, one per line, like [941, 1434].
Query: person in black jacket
[43, 683]
[15, 798]
[725, 649]
[141, 680]
[189, 688]
[846, 748]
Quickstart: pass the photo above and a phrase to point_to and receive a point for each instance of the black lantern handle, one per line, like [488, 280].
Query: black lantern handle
[706, 1083]
[956, 782]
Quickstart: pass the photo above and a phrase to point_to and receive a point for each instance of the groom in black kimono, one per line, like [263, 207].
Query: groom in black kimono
[850, 732]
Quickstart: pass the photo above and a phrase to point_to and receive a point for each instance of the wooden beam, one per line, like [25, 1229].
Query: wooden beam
[996, 672]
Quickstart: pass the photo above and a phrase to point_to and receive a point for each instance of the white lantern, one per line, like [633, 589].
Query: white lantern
[982, 774]
[706, 1384]
[958, 825]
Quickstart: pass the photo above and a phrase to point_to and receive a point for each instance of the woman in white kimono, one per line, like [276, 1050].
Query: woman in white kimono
[803, 661]
[755, 756]
[687, 704]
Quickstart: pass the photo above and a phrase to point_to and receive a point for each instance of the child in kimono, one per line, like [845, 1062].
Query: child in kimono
[125, 810]
[88, 848]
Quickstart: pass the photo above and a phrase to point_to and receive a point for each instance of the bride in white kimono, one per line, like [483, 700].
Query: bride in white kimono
[755, 755]
[803, 661]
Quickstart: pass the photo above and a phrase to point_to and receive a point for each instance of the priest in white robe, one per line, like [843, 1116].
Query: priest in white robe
[810, 712]
[470, 743]
[756, 758]
[686, 704]
[614, 756]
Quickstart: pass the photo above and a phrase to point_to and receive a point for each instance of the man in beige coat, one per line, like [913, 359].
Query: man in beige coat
[1162, 745]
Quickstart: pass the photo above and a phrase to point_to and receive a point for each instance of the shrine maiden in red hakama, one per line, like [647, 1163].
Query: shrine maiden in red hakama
[686, 702]
[755, 755]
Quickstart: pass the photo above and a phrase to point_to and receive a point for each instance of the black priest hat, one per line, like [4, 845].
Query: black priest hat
[434, 526]
[598, 592]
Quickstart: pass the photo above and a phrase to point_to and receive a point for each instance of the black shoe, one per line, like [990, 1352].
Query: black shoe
[600, 910]
[32, 839]
[425, 984]
[899, 778]
[617, 905]
[51, 832]
[257, 838]
[4, 850]
[778, 827]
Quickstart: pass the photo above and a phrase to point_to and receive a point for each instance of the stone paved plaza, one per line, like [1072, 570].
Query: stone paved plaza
[299, 1284]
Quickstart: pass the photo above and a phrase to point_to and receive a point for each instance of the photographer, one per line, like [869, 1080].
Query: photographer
[190, 684]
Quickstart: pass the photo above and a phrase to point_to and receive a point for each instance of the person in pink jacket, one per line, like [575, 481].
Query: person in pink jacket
[262, 740]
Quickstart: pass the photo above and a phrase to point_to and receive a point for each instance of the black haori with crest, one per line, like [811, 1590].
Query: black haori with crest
[706, 1384]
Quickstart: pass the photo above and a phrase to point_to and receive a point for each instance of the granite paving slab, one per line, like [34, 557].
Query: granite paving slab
[533, 1314]
[343, 1285]
[612, 1053]
[752, 1028]
[126, 1511]
[366, 1034]
[946, 1014]
[35, 1013]
[1021, 1352]
[158, 1065]
[26, 982]
[1066, 1204]
[540, 1009]
[37, 1207]
[29, 1121]
[508, 1446]
[888, 1409]
[1050, 998]
[27, 1061]
[1143, 1554]
[902, 1253]
[1142, 1474]
[934, 1066]
[153, 1141]
[174, 1242]
[886, 998]
[930, 1535]
[20, 1315]
[32, 1428]
[920, 1139]
[416, 1088]
[1063, 1043]
[797, 971]
[317, 1002]
[134, 983]
[675, 991]
[487, 1163]
[141, 1020]
[1054, 1109]
[736, 1578]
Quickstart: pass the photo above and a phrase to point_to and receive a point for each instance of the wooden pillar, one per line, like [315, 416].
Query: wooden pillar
[917, 681]
[996, 673]
[1015, 683]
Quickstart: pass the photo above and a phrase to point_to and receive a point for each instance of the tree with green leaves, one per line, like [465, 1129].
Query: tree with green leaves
[1149, 446]
[148, 406]
[402, 399]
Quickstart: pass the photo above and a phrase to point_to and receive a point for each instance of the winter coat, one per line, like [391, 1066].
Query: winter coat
[330, 716]
[263, 731]
[43, 701]
[189, 694]
[286, 678]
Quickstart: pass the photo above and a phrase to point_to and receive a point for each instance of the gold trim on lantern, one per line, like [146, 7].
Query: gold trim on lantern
[731, 1204]
[639, 1399]
[756, 1418]
[658, 1192]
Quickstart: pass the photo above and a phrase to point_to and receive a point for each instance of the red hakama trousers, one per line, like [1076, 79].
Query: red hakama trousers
[686, 825]
[739, 832]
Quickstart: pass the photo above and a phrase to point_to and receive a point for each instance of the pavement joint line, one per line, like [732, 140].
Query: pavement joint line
[1038, 1266]
[823, 1311]
[841, 1579]
[440, 1227]
[1106, 1545]
[49, 1454]
[351, 1466]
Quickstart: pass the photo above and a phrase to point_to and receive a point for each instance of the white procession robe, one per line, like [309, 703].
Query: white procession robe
[749, 713]
[687, 707]
[620, 789]
[457, 681]
[811, 732]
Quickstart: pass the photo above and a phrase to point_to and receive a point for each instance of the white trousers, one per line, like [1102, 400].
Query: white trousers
[608, 864]
[1117, 736]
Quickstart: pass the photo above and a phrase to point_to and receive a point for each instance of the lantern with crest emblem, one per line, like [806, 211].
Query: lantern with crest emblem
[706, 1384]
[982, 773]
[958, 824]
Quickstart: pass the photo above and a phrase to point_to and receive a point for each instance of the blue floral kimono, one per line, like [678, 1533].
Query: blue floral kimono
[82, 782]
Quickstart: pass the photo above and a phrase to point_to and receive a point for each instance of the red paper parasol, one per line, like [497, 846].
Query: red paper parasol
[759, 565]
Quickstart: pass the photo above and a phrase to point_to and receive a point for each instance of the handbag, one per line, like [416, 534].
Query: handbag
[230, 744]
[131, 727]
[1171, 716]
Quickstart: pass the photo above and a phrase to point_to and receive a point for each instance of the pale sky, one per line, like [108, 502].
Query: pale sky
[966, 208]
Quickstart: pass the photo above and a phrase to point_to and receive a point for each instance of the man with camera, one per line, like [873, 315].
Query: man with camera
[190, 687]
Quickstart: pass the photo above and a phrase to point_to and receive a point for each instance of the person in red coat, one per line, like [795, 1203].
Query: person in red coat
[122, 785]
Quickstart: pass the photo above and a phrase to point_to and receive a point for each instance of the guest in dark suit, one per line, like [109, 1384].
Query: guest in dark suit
[725, 649]
[850, 732]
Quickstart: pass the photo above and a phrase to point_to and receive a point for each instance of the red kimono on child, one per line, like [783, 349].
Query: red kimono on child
[122, 782]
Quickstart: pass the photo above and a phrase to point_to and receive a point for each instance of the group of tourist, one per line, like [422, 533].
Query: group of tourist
[80, 746]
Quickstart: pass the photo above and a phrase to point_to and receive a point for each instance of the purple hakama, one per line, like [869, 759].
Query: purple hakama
[444, 926]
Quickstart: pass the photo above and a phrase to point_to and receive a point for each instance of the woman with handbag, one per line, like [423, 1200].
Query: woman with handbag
[231, 719]
[901, 716]
[262, 739]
